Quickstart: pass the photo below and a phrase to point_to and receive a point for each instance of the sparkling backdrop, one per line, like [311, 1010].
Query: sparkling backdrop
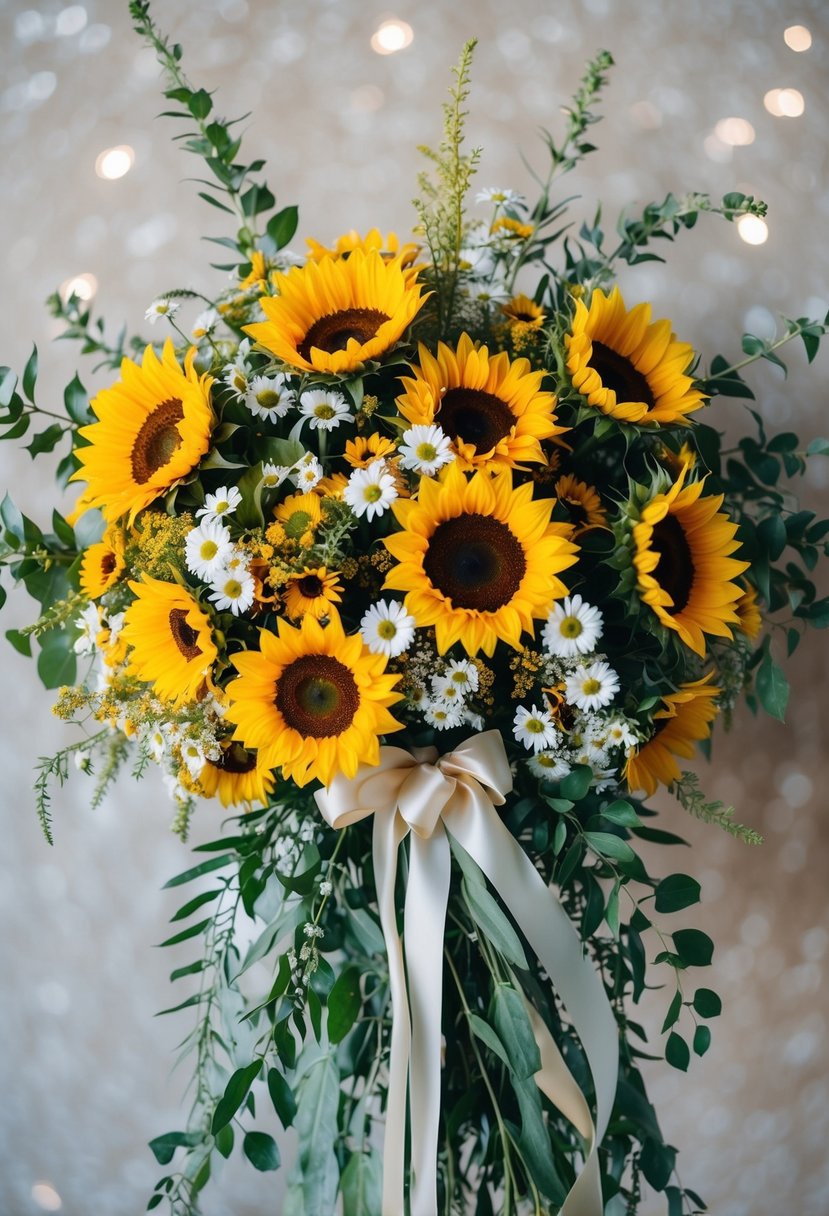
[708, 95]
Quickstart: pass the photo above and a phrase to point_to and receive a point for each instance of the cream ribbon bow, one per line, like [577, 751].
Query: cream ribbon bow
[430, 795]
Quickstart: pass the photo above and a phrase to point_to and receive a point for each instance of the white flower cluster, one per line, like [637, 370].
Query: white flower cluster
[211, 555]
[272, 397]
[445, 700]
[387, 628]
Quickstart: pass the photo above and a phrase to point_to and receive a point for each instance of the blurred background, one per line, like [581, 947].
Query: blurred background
[709, 95]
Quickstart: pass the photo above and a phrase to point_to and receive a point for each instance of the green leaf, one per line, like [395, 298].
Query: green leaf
[611, 912]
[675, 892]
[56, 663]
[30, 375]
[186, 934]
[344, 1003]
[199, 103]
[570, 862]
[621, 812]
[8, 383]
[772, 687]
[282, 1096]
[559, 837]
[361, 1184]
[261, 1151]
[515, 1031]
[76, 401]
[707, 1003]
[487, 1035]
[235, 1093]
[674, 1010]
[164, 1146]
[576, 784]
[677, 1053]
[224, 1141]
[493, 923]
[771, 532]
[22, 642]
[818, 447]
[193, 904]
[608, 845]
[282, 226]
[657, 1162]
[315, 1178]
[45, 441]
[204, 867]
[534, 1142]
[694, 947]
[702, 1040]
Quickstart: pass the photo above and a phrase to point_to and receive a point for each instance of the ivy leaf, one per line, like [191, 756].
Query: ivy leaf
[675, 892]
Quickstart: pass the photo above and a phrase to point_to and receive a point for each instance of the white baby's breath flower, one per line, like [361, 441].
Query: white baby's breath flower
[535, 728]
[232, 590]
[387, 628]
[306, 473]
[591, 686]
[324, 408]
[548, 766]
[207, 548]
[161, 308]
[204, 324]
[223, 502]
[326, 887]
[269, 397]
[370, 491]
[442, 716]
[573, 628]
[425, 449]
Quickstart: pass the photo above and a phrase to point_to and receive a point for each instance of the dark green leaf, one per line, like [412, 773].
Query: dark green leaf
[674, 1010]
[694, 947]
[576, 784]
[45, 441]
[494, 924]
[608, 845]
[204, 867]
[282, 1096]
[657, 1162]
[30, 375]
[193, 904]
[224, 1141]
[56, 663]
[282, 226]
[676, 892]
[702, 1040]
[261, 1151]
[772, 687]
[235, 1093]
[164, 1146]
[344, 1002]
[534, 1142]
[676, 1052]
[621, 812]
[76, 401]
[707, 1003]
[570, 862]
[515, 1031]
[186, 934]
[487, 1035]
[199, 103]
[22, 642]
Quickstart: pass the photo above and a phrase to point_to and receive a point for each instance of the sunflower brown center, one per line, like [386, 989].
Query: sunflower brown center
[184, 635]
[475, 561]
[618, 373]
[311, 586]
[236, 759]
[333, 332]
[317, 696]
[675, 569]
[107, 564]
[473, 416]
[157, 441]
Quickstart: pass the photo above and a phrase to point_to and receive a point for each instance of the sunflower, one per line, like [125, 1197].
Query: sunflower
[313, 701]
[684, 720]
[478, 559]
[103, 564]
[582, 503]
[360, 452]
[523, 311]
[154, 427]
[628, 367]
[314, 591]
[298, 514]
[681, 555]
[335, 315]
[238, 775]
[389, 246]
[491, 408]
[749, 617]
[171, 640]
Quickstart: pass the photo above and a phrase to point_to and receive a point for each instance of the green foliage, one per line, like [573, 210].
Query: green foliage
[689, 796]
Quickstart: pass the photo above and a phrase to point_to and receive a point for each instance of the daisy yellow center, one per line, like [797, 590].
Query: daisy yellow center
[546, 761]
[460, 677]
[591, 687]
[268, 399]
[334, 332]
[571, 627]
[618, 373]
[221, 507]
[233, 589]
[535, 726]
[675, 569]
[157, 441]
[208, 550]
[475, 561]
[470, 415]
[372, 493]
[324, 411]
[311, 586]
[426, 452]
[297, 524]
[184, 635]
[317, 696]
[240, 381]
[387, 630]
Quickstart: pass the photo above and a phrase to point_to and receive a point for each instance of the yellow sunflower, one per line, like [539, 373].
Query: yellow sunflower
[478, 559]
[523, 311]
[492, 409]
[313, 701]
[683, 721]
[627, 366]
[360, 452]
[298, 514]
[154, 427]
[171, 640]
[749, 617]
[684, 572]
[238, 775]
[314, 591]
[582, 503]
[389, 246]
[103, 564]
[337, 314]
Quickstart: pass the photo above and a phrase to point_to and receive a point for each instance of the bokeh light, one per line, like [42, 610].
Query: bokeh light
[753, 230]
[390, 36]
[784, 103]
[113, 163]
[83, 286]
[738, 132]
[797, 38]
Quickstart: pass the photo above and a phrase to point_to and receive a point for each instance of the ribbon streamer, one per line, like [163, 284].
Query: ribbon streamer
[431, 796]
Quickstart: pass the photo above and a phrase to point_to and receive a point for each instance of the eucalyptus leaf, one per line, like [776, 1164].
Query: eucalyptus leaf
[493, 923]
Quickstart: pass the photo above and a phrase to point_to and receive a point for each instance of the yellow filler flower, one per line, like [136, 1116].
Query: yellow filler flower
[684, 720]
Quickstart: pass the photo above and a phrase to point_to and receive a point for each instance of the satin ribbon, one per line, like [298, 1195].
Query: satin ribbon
[429, 796]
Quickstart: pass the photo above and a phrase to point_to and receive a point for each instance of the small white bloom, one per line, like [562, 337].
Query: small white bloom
[472, 719]
[497, 194]
[269, 397]
[83, 761]
[176, 791]
[89, 623]
[604, 779]
[370, 491]
[573, 628]
[425, 449]
[237, 374]
[591, 686]
[535, 728]
[548, 766]
[306, 473]
[620, 733]
[232, 590]
[193, 756]
[444, 688]
[204, 323]
[326, 887]
[442, 716]
[161, 308]
[156, 743]
[207, 548]
[273, 475]
[325, 409]
[223, 502]
[464, 673]
[387, 628]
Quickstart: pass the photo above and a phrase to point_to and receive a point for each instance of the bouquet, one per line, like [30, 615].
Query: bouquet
[423, 559]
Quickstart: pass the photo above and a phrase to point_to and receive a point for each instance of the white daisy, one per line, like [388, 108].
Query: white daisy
[591, 686]
[387, 628]
[156, 743]
[535, 728]
[604, 779]
[620, 733]
[445, 689]
[464, 673]
[193, 756]
[175, 789]
[237, 374]
[90, 625]
[204, 323]
[548, 766]
[273, 475]
[232, 590]
[573, 627]
[207, 548]
[370, 491]
[474, 720]
[325, 409]
[161, 308]
[497, 194]
[307, 472]
[223, 502]
[269, 397]
[425, 449]
[442, 716]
